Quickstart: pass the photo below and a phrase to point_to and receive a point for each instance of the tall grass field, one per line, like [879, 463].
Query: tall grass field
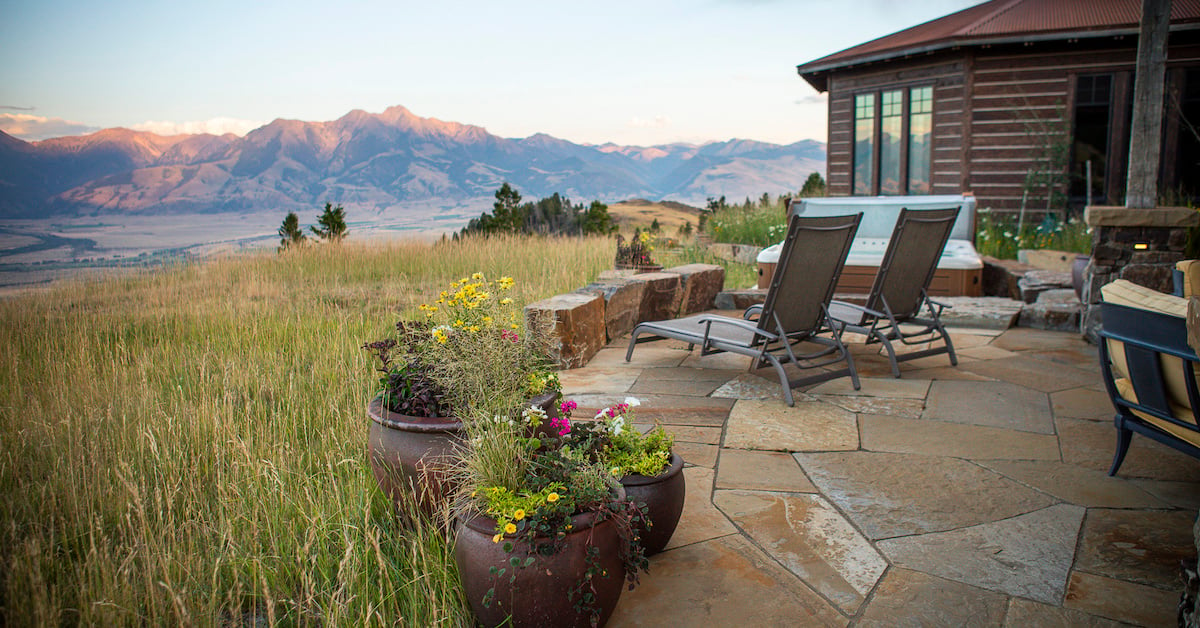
[188, 445]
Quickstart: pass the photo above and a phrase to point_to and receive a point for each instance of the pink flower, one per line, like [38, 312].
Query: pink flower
[567, 407]
[562, 423]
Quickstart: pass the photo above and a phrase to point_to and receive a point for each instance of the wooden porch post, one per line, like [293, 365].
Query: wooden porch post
[1141, 187]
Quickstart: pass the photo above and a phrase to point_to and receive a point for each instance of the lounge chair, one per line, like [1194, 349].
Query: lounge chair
[899, 292]
[796, 309]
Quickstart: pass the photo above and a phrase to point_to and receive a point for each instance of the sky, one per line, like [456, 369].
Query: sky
[631, 73]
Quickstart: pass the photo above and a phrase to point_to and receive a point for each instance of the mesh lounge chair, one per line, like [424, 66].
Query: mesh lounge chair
[900, 290]
[795, 309]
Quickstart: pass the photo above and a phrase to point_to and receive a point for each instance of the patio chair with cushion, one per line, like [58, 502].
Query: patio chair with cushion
[900, 291]
[796, 310]
[1148, 368]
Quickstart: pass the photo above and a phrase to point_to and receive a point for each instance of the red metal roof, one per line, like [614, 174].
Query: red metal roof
[999, 21]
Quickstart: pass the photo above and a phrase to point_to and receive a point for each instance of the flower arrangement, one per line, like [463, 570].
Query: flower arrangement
[471, 354]
[637, 252]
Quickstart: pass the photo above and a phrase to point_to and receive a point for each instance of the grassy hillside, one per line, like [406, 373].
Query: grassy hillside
[187, 446]
[642, 213]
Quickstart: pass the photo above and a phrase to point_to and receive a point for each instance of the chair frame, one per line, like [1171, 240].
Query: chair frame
[1148, 337]
[877, 320]
[768, 337]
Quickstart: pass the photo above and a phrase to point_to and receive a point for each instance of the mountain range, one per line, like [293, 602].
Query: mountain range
[375, 162]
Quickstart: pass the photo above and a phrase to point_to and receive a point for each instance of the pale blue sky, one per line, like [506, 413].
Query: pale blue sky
[638, 73]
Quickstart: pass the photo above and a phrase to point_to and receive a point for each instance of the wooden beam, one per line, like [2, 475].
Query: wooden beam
[1141, 188]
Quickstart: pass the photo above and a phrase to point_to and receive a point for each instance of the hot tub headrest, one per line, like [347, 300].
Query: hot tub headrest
[880, 212]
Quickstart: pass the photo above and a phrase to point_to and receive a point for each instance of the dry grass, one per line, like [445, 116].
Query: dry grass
[187, 446]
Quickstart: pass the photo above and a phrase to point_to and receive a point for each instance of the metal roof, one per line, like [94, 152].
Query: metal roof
[1003, 21]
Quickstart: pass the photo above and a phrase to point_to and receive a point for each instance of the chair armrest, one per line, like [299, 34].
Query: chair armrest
[861, 308]
[752, 310]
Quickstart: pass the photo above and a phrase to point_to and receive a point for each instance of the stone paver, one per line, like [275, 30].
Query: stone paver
[1027, 556]
[809, 426]
[1075, 485]
[991, 404]
[889, 387]
[911, 598]
[606, 380]
[808, 537]
[1024, 613]
[700, 521]
[1082, 403]
[908, 408]
[692, 382]
[1136, 604]
[1136, 545]
[921, 493]
[761, 471]
[1091, 444]
[1032, 373]
[973, 495]
[936, 438]
[725, 582]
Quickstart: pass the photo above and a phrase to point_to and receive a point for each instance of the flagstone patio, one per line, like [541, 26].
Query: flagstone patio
[970, 495]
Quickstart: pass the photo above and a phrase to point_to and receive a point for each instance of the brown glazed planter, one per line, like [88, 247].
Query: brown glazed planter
[412, 457]
[537, 595]
[640, 268]
[663, 495]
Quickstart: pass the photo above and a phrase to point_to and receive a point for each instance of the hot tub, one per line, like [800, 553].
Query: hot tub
[959, 271]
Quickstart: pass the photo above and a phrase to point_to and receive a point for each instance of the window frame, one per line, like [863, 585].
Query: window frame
[904, 143]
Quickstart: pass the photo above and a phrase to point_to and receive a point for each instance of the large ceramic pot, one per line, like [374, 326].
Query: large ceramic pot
[663, 495]
[412, 457]
[540, 594]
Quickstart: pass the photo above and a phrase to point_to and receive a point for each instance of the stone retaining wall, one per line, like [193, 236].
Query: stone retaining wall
[585, 320]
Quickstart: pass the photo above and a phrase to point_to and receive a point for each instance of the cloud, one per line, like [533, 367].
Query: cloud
[215, 126]
[812, 99]
[32, 128]
[658, 122]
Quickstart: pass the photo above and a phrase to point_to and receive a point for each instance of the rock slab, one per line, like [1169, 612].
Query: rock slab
[577, 322]
[699, 285]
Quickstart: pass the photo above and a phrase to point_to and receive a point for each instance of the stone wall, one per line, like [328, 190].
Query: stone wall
[1139, 245]
[608, 308]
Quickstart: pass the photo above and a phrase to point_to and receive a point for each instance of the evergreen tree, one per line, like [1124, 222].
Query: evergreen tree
[813, 186]
[290, 233]
[597, 220]
[506, 216]
[333, 224]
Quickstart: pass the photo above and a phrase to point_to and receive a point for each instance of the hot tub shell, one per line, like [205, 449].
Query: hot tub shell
[959, 271]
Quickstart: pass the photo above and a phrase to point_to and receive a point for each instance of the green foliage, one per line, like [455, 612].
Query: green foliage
[551, 215]
[814, 185]
[290, 233]
[332, 224]
[632, 452]
[750, 223]
[999, 235]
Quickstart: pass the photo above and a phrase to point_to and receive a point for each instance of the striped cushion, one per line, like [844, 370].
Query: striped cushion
[1129, 294]
[1125, 388]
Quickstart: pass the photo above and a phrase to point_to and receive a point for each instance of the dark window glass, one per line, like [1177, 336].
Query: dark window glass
[1093, 103]
[920, 136]
[891, 129]
[864, 143]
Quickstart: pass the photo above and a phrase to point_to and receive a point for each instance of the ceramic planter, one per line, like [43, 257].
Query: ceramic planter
[663, 495]
[538, 595]
[412, 457]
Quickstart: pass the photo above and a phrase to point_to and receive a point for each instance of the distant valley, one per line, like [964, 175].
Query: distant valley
[373, 164]
[118, 197]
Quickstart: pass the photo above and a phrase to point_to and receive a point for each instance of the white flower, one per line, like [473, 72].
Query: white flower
[632, 402]
[617, 425]
[534, 415]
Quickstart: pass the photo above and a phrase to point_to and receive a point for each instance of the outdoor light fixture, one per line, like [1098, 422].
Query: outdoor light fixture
[1141, 246]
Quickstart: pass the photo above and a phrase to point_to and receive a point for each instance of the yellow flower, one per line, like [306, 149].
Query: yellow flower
[616, 471]
[473, 329]
[552, 497]
[514, 326]
[496, 539]
[487, 320]
[510, 528]
[505, 301]
[505, 283]
[477, 276]
[439, 336]
[519, 514]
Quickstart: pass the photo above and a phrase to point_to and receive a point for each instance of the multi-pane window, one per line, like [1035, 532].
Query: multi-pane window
[864, 143]
[920, 136]
[892, 148]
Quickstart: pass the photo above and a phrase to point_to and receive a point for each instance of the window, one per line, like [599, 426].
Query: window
[864, 143]
[892, 147]
[1093, 100]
